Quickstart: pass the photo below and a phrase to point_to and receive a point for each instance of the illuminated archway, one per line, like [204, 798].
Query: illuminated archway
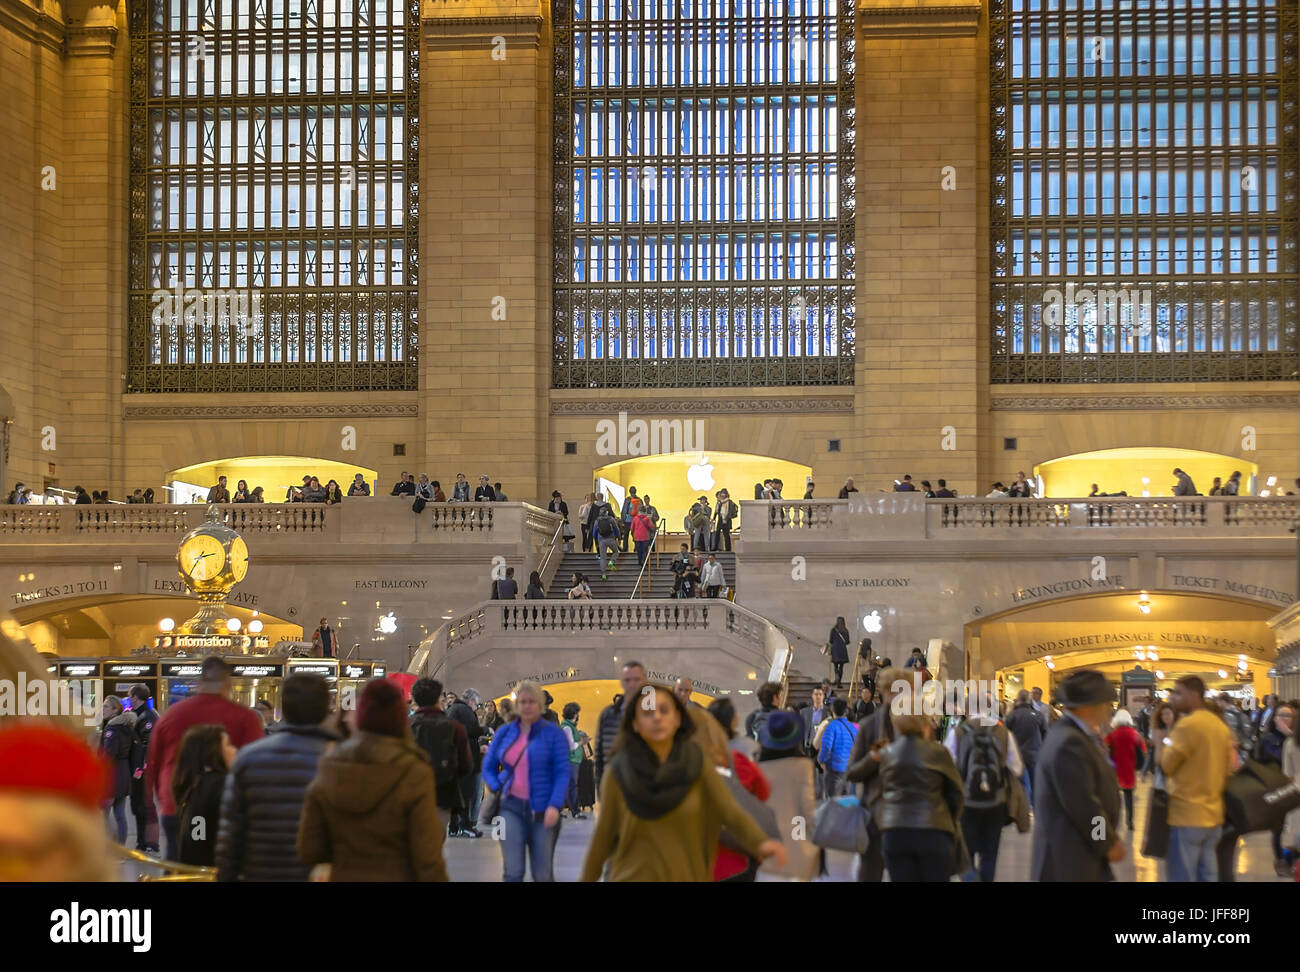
[275, 474]
[675, 480]
[1140, 471]
[1224, 640]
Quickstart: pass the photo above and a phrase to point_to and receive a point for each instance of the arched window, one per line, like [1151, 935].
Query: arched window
[704, 193]
[273, 181]
[1144, 187]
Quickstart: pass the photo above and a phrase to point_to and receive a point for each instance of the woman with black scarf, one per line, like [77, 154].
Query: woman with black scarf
[662, 804]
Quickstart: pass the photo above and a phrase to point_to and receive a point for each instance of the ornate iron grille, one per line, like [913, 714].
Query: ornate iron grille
[274, 184]
[1144, 190]
[704, 193]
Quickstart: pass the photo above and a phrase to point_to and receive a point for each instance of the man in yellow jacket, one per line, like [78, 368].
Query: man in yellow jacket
[1197, 759]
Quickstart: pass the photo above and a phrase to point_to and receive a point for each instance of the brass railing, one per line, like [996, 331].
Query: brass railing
[173, 871]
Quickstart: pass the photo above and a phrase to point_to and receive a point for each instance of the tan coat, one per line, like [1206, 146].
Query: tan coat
[1291, 767]
[710, 736]
[682, 845]
[372, 813]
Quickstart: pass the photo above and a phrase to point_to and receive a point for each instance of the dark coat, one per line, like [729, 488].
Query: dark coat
[920, 787]
[372, 814]
[115, 742]
[464, 713]
[606, 734]
[862, 768]
[199, 841]
[839, 641]
[1025, 725]
[262, 804]
[426, 726]
[1076, 807]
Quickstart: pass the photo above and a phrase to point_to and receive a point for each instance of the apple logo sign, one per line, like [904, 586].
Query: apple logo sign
[700, 475]
[388, 623]
[871, 623]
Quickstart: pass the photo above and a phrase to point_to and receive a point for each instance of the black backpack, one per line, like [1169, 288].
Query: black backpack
[983, 767]
[437, 737]
[606, 525]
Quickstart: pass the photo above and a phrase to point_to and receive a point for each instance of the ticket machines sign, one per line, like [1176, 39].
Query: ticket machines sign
[189, 668]
[79, 669]
[355, 669]
[242, 668]
[127, 668]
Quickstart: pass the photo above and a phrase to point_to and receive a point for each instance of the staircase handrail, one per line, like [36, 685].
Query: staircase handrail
[637, 586]
[541, 570]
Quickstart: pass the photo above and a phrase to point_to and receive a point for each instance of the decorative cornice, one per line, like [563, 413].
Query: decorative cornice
[323, 410]
[30, 24]
[898, 20]
[1128, 403]
[81, 41]
[698, 406]
[479, 33]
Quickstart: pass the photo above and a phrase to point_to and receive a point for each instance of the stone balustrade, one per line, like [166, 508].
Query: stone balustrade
[715, 641]
[898, 515]
[371, 520]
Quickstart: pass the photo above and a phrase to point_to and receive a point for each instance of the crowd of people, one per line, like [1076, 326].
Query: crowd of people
[681, 792]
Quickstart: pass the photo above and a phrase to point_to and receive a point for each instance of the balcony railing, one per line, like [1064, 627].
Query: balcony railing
[900, 515]
[382, 519]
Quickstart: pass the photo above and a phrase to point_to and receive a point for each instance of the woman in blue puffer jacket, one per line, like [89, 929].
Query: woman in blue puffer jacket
[528, 764]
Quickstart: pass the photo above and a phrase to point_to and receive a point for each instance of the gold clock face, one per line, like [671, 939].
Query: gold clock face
[238, 558]
[202, 558]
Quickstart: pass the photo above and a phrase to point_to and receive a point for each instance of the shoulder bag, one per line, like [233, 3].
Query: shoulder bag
[491, 806]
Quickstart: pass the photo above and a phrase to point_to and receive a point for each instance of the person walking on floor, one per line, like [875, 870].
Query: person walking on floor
[984, 751]
[611, 717]
[732, 865]
[839, 649]
[1197, 759]
[371, 813]
[1076, 819]
[575, 739]
[527, 763]
[115, 738]
[836, 747]
[446, 743]
[198, 780]
[920, 805]
[471, 790]
[1028, 731]
[662, 805]
[267, 786]
[142, 806]
[875, 732]
[784, 759]
[1125, 747]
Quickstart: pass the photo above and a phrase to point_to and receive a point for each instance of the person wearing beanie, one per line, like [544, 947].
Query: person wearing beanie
[784, 760]
[52, 788]
[1077, 802]
[371, 813]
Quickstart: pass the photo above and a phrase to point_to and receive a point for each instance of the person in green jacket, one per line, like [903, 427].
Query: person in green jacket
[663, 805]
[569, 724]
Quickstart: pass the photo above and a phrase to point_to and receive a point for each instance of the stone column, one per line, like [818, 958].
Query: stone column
[485, 241]
[919, 362]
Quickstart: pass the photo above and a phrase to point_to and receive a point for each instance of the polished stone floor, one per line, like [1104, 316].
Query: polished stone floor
[480, 860]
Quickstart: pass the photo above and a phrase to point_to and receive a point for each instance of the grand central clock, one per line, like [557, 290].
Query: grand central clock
[212, 558]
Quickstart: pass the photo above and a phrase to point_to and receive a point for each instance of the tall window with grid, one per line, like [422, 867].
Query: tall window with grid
[273, 195]
[704, 193]
[1144, 190]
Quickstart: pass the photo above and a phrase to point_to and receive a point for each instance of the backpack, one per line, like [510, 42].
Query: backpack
[437, 737]
[606, 525]
[983, 766]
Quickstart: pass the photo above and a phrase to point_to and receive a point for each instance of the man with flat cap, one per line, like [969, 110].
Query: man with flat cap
[1077, 805]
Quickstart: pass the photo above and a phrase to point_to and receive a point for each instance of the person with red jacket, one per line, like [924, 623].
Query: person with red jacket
[732, 865]
[1124, 744]
[210, 705]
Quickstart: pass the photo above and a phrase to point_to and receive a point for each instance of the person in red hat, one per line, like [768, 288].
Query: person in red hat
[52, 788]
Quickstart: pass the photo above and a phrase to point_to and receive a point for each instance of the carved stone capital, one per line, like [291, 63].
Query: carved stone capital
[31, 23]
[91, 41]
[481, 33]
[1138, 403]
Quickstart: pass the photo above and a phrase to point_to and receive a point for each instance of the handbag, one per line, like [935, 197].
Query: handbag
[1155, 839]
[762, 814]
[418, 505]
[841, 824]
[490, 808]
[1258, 797]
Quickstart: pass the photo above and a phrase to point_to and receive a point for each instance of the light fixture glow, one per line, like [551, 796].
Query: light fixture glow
[255, 626]
[1144, 603]
[1151, 654]
[233, 625]
[1223, 673]
[166, 624]
[1160, 674]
